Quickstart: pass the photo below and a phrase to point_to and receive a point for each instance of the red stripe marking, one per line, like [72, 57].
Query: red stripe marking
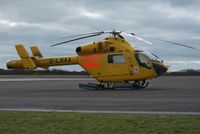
[90, 62]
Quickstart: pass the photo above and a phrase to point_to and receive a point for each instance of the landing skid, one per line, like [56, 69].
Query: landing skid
[135, 85]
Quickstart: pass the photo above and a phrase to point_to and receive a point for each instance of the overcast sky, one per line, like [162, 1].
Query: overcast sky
[38, 22]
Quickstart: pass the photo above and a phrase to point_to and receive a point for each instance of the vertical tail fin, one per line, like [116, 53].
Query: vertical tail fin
[36, 52]
[27, 62]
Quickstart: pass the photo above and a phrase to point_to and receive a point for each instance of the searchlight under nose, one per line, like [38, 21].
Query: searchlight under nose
[160, 68]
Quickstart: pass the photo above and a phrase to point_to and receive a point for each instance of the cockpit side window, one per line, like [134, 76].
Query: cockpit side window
[116, 59]
[143, 61]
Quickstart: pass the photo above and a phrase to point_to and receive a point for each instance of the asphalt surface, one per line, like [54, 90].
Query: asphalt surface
[165, 94]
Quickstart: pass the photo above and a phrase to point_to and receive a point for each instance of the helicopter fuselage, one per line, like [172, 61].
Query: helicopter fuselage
[110, 60]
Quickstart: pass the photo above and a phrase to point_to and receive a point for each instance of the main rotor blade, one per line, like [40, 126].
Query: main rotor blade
[78, 35]
[75, 39]
[167, 41]
[175, 43]
[141, 39]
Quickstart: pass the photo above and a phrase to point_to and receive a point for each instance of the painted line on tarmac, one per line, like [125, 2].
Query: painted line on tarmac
[103, 112]
[44, 79]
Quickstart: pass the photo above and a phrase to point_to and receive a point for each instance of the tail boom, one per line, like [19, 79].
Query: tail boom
[37, 60]
[56, 61]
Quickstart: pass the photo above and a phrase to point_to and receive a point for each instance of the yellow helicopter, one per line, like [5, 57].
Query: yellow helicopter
[113, 62]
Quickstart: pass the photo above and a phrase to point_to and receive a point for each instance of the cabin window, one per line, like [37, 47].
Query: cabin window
[143, 61]
[116, 59]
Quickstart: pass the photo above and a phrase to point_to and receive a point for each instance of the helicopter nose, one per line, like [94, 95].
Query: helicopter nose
[160, 69]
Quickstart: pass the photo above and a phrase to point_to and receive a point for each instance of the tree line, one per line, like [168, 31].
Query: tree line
[41, 72]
